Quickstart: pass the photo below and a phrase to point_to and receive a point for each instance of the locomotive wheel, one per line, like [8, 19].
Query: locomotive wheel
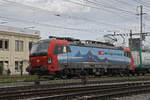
[69, 76]
[133, 73]
[83, 73]
[121, 74]
[138, 74]
[143, 74]
[64, 76]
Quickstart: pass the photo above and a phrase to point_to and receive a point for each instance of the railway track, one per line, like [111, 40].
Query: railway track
[13, 86]
[63, 83]
[99, 93]
[78, 92]
[67, 82]
[57, 88]
[27, 78]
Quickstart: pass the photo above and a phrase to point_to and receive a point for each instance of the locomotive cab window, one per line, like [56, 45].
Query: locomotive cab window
[60, 49]
[40, 48]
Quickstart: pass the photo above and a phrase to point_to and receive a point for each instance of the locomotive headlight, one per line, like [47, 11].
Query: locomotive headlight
[49, 60]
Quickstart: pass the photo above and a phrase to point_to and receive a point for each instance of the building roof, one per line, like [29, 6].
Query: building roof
[19, 30]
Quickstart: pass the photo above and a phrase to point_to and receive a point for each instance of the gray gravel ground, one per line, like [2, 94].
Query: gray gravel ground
[135, 97]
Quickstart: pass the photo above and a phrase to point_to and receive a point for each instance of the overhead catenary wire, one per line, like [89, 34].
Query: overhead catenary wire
[131, 4]
[49, 25]
[107, 9]
[142, 3]
[123, 2]
[11, 2]
[86, 19]
[58, 15]
[50, 12]
[110, 7]
[65, 16]
[115, 12]
[58, 27]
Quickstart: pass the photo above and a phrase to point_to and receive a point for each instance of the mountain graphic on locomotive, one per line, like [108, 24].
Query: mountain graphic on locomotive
[68, 57]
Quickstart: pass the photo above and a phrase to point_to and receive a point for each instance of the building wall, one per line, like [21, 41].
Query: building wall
[12, 56]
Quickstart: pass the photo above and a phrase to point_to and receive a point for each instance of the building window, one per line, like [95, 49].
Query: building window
[21, 45]
[18, 45]
[1, 44]
[21, 66]
[30, 45]
[16, 65]
[4, 44]
[4, 66]
[1, 67]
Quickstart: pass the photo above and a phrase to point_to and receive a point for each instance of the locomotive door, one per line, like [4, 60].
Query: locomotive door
[63, 55]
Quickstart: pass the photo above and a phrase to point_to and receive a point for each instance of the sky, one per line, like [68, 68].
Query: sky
[82, 19]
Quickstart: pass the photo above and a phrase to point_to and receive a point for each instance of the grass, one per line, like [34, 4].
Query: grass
[17, 78]
[27, 78]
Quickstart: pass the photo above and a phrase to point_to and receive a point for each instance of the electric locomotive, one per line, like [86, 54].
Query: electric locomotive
[68, 57]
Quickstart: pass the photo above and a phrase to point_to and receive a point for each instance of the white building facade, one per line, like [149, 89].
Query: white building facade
[15, 44]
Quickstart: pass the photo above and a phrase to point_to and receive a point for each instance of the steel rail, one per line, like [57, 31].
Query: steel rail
[98, 93]
[70, 91]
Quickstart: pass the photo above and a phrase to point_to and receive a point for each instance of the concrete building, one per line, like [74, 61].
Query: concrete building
[14, 49]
